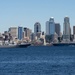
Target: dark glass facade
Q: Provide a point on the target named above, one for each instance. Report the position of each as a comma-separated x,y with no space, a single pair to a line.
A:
20,33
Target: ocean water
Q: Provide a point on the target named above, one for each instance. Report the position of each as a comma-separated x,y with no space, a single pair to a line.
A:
41,60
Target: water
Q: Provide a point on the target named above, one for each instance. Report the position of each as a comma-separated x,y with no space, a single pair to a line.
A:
37,61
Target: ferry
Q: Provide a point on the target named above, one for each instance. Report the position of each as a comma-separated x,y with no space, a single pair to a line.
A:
25,45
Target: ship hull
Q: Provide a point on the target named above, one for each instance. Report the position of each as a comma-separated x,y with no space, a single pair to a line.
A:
23,45
16,46
64,44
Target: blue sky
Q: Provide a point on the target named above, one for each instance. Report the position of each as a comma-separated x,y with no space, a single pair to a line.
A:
26,12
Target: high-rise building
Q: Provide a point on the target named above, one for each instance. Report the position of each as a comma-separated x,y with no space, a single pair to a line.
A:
27,32
73,30
70,31
47,28
33,37
20,33
13,32
57,28
37,28
50,26
66,29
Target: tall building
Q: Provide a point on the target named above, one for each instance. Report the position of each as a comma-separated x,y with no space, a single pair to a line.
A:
13,32
20,33
37,28
66,29
50,26
33,37
47,28
27,32
57,28
73,30
70,31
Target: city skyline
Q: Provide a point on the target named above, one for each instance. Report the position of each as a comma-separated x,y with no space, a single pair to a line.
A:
26,13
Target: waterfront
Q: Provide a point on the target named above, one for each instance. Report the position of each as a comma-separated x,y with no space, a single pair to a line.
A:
37,60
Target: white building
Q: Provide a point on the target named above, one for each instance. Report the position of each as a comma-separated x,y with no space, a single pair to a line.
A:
66,29
14,32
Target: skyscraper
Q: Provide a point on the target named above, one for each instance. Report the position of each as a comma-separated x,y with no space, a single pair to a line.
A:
27,32
37,27
50,26
13,32
47,28
73,30
20,33
66,29
57,28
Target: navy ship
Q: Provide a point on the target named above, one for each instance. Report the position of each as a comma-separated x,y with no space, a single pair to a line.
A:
63,44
